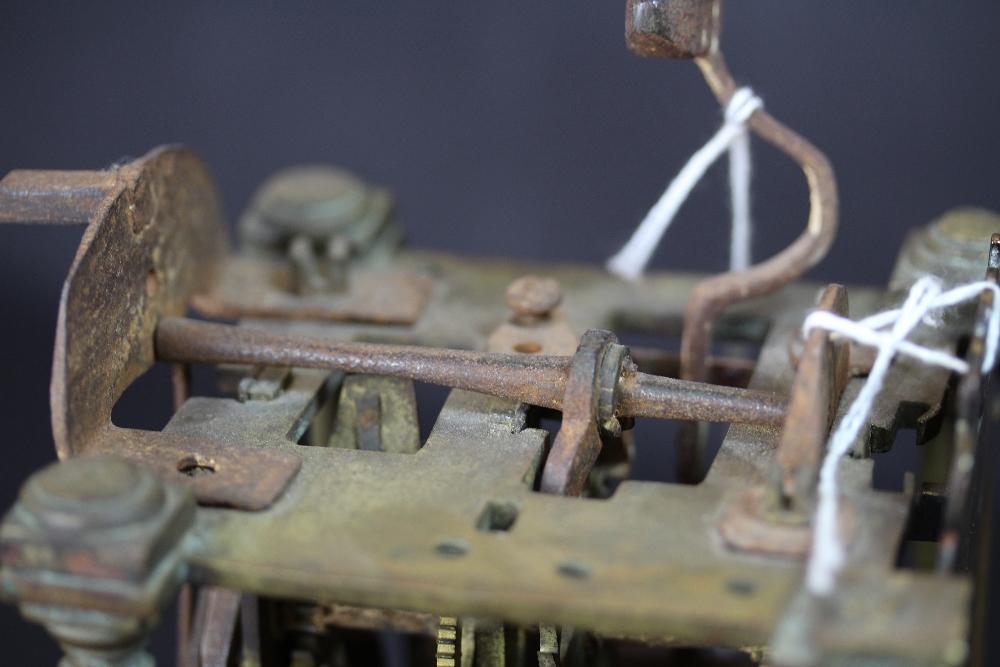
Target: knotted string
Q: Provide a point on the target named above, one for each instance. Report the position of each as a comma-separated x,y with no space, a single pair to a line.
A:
631,260
828,551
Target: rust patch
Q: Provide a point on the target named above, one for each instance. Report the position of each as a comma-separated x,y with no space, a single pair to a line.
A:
362,618
672,28
750,523
161,218
248,478
822,373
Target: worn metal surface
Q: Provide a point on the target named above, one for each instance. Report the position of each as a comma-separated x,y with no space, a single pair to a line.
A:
954,247
217,473
878,612
645,563
377,414
54,197
967,519
437,497
725,371
215,624
537,324
99,517
650,582
669,398
329,615
250,630
532,299
155,237
456,528
775,518
578,442
264,383
968,478
265,289
672,28
153,241
478,455
754,521
321,203
91,551
819,380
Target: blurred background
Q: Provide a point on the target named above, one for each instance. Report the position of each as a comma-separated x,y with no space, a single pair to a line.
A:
518,129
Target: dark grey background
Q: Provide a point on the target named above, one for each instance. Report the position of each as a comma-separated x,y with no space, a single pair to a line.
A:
516,128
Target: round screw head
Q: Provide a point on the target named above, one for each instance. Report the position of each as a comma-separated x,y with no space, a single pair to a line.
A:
313,199
90,492
968,225
532,298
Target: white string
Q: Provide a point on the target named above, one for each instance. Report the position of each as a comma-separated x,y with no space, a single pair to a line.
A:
739,194
631,260
828,551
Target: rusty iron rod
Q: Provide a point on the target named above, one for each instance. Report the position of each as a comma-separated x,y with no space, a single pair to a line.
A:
50,197
537,380
642,395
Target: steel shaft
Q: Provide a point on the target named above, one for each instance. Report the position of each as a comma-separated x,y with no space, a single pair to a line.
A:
534,379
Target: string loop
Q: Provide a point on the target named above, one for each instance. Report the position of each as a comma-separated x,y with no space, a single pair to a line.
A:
631,260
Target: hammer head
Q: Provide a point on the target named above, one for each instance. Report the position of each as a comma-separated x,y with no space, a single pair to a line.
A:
673,28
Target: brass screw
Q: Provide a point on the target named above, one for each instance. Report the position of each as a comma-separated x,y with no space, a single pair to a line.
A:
532,299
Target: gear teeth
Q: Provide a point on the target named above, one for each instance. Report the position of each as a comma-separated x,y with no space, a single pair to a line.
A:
447,642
